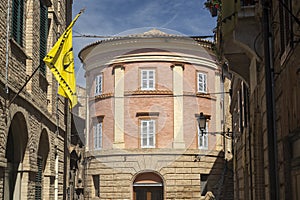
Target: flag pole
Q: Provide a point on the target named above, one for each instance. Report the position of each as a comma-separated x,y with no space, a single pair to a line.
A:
20,90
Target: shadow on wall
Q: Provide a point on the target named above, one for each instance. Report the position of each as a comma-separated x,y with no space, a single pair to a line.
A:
218,184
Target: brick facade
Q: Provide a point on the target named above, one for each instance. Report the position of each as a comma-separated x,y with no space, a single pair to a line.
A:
28,122
174,104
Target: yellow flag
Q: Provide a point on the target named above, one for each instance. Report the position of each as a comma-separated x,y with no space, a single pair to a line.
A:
60,61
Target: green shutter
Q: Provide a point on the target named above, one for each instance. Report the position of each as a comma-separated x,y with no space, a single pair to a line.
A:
38,179
43,36
17,21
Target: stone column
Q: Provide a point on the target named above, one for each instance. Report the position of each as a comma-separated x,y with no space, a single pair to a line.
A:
119,107
178,106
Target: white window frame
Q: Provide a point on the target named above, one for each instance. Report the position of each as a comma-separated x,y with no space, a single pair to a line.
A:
203,138
147,133
97,135
147,81
202,84
98,84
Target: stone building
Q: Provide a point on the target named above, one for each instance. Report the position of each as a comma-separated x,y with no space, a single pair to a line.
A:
144,95
260,42
32,147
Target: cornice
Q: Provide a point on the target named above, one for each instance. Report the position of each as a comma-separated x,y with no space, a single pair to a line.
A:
152,57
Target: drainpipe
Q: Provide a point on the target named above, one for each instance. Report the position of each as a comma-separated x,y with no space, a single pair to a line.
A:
249,140
56,151
56,178
7,49
271,132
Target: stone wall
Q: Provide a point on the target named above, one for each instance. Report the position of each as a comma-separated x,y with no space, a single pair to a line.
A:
251,148
180,173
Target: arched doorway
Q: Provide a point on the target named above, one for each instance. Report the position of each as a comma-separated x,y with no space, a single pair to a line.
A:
148,186
42,157
15,150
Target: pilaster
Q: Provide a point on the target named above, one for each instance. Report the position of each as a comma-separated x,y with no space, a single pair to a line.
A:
178,105
119,107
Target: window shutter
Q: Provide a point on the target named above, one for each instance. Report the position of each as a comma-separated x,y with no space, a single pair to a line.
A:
151,133
203,138
95,136
38,179
17,21
144,133
202,79
98,85
98,135
151,79
204,82
148,79
144,80
147,133
43,36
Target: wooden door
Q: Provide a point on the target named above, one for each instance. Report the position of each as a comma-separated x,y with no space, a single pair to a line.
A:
148,193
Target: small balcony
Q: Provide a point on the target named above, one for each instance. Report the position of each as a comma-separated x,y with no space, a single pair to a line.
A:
240,30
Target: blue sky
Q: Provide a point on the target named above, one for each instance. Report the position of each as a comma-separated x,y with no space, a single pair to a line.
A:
123,17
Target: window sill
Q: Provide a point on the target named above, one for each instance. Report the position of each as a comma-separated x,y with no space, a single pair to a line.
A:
148,147
149,92
102,96
205,95
18,51
203,148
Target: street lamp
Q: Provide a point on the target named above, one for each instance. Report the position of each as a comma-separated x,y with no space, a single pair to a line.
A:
201,122
202,127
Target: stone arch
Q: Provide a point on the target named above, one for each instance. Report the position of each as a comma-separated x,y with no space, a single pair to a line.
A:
43,165
44,149
16,144
148,185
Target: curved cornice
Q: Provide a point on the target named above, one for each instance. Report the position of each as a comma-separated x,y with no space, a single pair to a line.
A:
111,49
99,62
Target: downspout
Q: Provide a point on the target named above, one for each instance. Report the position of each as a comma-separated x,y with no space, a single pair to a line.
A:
249,142
7,48
271,132
56,178
223,112
56,151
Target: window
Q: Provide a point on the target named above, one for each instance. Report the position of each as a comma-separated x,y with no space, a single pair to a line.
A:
98,135
148,79
43,35
147,133
96,182
203,138
98,84
201,81
286,32
17,21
